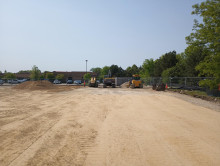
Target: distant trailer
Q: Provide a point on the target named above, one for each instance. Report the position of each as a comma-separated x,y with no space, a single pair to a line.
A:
121,80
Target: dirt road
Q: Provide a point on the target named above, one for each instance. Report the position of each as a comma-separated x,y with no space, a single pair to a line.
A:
99,127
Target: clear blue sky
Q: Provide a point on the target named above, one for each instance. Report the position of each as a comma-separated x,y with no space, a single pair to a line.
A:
60,35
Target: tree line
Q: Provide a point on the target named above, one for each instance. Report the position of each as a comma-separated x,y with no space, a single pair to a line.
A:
35,74
201,58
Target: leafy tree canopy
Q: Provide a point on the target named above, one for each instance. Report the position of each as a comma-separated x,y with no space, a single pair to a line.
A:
96,70
24,71
148,68
116,71
206,36
35,73
9,75
166,61
105,70
59,76
49,76
87,76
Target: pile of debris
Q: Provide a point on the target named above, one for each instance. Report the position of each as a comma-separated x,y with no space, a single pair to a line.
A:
125,85
159,87
35,85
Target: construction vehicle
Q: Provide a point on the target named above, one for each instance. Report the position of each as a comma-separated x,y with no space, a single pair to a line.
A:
108,80
93,82
135,82
159,86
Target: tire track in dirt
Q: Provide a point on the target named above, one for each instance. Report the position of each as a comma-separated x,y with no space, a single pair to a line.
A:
195,148
78,133
26,131
95,126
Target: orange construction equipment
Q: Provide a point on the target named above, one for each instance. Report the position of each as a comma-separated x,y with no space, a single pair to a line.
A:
135,82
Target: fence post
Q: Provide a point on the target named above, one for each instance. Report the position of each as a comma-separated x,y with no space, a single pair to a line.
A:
170,81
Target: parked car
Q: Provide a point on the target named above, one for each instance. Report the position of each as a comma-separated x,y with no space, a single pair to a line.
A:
23,80
15,81
1,82
9,81
77,82
69,81
57,82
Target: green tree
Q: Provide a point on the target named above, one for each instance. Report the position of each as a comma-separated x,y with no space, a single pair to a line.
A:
9,76
96,70
59,76
194,55
210,67
87,77
49,76
134,69
128,71
42,76
166,61
116,71
158,69
179,70
105,70
35,73
206,35
148,68
24,71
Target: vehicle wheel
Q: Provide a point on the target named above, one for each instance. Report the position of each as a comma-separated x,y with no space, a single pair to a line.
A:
132,86
104,86
113,86
141,85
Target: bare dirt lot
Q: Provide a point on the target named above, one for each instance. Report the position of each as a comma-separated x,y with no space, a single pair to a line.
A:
96,126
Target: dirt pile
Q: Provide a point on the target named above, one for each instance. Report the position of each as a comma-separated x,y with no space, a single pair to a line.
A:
35,85
124,85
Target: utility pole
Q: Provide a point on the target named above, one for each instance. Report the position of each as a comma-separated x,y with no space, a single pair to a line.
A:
86,66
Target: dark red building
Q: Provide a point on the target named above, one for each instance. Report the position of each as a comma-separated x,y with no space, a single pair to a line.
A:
74,75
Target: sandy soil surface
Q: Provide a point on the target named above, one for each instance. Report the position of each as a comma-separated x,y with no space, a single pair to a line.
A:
96,126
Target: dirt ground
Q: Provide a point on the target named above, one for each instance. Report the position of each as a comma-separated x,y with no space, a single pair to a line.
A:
106,127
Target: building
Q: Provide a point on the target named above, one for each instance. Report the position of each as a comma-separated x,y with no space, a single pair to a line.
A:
25,75
74,75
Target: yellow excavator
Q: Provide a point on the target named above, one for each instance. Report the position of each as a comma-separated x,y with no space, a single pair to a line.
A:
108,80
135,82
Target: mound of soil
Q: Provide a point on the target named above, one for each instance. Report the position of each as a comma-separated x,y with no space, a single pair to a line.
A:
124,85
35,85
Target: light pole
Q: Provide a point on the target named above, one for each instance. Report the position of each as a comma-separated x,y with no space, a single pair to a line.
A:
86,66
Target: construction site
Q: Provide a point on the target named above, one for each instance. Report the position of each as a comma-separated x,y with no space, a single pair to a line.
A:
46,124
110,83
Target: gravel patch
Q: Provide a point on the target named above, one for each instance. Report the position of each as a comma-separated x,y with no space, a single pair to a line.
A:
197,101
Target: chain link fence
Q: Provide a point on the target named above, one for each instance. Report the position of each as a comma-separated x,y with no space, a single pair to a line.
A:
186,83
